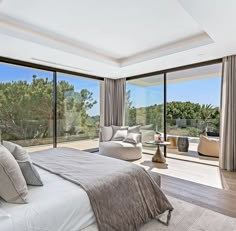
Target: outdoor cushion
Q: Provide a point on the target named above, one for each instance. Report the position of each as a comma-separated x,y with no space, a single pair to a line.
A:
208,146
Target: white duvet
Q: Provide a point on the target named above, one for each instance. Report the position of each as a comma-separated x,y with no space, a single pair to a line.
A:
59,205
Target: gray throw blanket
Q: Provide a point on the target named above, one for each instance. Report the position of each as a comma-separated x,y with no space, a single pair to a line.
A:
123,196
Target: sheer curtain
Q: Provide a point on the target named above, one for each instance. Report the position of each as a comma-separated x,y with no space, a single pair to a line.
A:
114,106
228,115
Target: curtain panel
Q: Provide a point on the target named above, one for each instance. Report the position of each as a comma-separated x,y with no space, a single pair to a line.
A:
228,115
114,106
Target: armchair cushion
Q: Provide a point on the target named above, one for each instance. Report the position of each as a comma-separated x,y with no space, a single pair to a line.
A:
106,133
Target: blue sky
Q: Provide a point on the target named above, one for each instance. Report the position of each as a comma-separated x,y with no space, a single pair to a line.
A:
204,91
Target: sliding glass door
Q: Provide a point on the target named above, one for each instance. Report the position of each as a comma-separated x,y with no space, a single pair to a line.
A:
181,105
78,111
145,107
26,113
193,106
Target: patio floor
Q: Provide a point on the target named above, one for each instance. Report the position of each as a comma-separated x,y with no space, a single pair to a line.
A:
192,155
81,144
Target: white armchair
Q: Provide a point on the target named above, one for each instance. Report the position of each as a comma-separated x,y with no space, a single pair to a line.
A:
118,148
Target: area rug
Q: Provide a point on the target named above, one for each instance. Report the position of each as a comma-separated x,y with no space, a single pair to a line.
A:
189,217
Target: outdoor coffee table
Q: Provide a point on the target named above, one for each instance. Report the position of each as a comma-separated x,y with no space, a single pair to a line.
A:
158,156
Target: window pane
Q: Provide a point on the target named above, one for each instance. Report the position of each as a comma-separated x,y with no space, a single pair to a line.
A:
193,102
26,116
78,112
144,106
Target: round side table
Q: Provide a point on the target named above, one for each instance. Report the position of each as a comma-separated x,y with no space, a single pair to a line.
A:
158,156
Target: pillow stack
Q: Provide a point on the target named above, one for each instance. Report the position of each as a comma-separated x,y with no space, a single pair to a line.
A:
16,171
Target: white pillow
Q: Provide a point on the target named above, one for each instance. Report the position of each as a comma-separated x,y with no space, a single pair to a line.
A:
16,150
106,133
13,186
133,138
22,157
119,133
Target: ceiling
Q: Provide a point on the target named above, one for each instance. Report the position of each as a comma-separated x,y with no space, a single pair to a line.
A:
197,73
117,39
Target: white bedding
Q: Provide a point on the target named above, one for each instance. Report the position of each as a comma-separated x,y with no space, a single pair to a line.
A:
59,205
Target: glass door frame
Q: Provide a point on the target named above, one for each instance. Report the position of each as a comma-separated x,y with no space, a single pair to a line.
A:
54,71
165,74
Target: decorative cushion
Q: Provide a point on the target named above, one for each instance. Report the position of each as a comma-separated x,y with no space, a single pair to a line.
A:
119,132
13,186
17,151
134,129
133,138
23,159
106,133
30,173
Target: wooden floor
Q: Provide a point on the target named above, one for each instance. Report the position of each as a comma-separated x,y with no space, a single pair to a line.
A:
218,200
194,186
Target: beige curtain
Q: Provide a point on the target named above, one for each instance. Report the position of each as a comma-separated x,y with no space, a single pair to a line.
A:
228,115
114,106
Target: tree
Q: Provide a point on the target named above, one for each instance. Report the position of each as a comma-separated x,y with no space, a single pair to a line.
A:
130,112
26,107
193,114
210,116
77,105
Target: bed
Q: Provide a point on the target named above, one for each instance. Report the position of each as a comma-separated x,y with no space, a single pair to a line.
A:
51,207
67,202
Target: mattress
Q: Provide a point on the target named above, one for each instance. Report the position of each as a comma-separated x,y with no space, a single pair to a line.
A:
59,205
